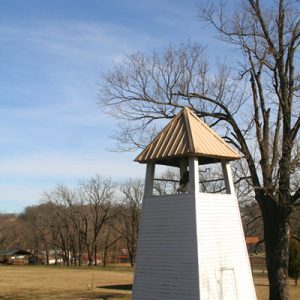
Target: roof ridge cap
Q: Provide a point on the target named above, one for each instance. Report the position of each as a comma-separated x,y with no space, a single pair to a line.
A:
186,114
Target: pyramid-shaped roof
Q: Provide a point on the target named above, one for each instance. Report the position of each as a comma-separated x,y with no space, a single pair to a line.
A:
186,135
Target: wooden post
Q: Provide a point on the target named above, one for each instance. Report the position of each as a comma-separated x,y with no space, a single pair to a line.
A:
193,175
150,170
228,177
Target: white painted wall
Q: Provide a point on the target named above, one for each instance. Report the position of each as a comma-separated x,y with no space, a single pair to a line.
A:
166,262
224,266
192,247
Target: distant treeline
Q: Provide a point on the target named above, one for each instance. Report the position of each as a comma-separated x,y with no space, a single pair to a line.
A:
97,221
94,221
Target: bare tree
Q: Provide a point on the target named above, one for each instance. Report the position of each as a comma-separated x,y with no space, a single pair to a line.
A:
65,227
258,110
13,232
128,215
38,220
80,214
97,195
252,219
144,89
109,237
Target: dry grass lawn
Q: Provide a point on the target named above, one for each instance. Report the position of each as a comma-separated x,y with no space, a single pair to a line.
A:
262,288
41,282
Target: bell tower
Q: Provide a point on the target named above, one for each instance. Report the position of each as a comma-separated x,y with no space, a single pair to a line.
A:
191,244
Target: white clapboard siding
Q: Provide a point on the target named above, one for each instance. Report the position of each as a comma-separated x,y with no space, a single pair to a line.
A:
192,247
166,262
224,267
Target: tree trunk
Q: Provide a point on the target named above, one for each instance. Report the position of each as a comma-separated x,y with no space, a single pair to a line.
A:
95,255
276,235
74,258
104,256
90,256
79,258
55,256
131,258
131,261
79,253
47,256
68,257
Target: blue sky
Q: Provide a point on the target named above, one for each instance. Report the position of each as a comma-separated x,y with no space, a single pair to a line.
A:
52,55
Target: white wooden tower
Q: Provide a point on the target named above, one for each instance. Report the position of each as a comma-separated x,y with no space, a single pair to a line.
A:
191,244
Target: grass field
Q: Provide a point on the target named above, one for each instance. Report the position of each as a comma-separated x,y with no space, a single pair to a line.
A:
41,282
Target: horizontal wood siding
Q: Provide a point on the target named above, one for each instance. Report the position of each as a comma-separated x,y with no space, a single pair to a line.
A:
186,245
166,262
221,248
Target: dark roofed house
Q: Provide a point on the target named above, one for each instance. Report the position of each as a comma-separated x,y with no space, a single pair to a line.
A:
14,256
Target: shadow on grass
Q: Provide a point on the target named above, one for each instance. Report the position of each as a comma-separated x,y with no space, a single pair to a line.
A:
123,287
110,297
119,287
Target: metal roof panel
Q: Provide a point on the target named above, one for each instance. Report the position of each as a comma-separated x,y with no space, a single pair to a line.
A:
187,135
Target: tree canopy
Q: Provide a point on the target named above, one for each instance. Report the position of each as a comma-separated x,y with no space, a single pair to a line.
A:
255,106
